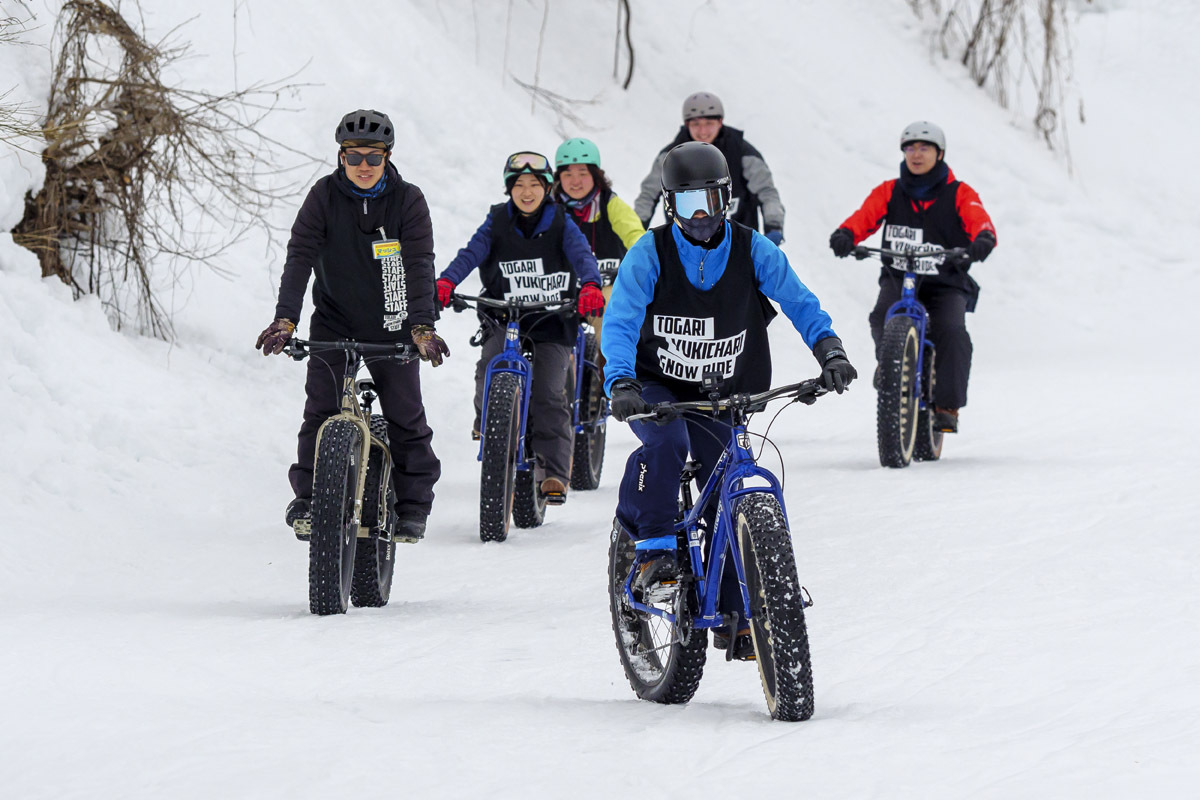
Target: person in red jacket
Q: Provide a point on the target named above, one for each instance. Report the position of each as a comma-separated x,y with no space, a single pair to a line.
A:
927,206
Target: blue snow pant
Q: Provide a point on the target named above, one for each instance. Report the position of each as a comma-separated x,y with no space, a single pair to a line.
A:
647,501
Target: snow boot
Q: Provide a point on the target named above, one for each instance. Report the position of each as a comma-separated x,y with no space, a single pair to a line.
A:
743,645
945,420
298,517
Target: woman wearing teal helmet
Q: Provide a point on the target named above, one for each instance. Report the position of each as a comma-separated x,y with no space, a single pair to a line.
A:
607,222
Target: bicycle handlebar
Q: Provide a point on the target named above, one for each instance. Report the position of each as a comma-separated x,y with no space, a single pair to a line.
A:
298,349
956,255
459,303
809,389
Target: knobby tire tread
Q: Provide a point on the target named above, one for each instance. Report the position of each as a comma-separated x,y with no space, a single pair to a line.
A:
498,468
896,416
331,560
929,439
778,630
680,666
375,558
587,462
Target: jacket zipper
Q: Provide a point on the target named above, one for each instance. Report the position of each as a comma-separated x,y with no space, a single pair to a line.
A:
364,206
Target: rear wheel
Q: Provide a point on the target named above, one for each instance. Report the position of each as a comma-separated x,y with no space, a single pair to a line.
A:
663,662
929,436
776,608
896,406
375,558
334,525
588,459
528,503
501,438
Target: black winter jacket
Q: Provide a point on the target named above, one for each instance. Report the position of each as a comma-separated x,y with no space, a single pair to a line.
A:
362,290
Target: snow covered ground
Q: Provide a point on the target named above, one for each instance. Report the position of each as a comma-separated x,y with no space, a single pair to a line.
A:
1015,620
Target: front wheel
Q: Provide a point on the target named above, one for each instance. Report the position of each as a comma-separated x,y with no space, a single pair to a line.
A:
375,558
334,523
776,608
501,438
896,406
663,662
588,460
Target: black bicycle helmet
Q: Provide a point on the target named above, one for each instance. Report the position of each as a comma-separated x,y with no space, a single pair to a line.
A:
701,171
366,125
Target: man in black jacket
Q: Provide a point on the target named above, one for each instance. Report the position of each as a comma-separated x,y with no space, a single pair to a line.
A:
751,183
367,235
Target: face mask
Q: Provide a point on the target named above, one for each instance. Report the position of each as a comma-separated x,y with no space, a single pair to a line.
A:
701,229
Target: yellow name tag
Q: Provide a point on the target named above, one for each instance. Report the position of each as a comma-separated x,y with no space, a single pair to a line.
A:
386,249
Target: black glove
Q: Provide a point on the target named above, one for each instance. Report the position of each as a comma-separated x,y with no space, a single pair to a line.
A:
982,246
841,242
627,399
836,369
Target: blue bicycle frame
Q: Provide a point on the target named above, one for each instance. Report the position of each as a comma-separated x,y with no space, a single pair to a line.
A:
909,306
725,487
512,360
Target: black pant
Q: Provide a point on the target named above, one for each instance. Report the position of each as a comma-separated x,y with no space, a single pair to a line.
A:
549,426
947,307
415,468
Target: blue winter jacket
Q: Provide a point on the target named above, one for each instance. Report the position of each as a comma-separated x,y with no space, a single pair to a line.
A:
475,254
638,274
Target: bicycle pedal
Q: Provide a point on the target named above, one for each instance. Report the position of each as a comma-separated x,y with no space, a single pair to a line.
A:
303,529
555,498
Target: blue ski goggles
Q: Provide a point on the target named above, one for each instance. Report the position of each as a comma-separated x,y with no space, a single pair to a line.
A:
711,201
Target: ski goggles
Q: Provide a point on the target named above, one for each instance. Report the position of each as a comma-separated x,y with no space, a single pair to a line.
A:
711,201
527,162
373,159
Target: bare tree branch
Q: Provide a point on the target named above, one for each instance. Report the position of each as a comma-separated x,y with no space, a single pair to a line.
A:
141,175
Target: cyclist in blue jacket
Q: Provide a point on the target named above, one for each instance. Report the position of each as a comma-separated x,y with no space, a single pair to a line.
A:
692,299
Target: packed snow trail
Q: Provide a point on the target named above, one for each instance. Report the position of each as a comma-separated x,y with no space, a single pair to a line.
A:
1009,621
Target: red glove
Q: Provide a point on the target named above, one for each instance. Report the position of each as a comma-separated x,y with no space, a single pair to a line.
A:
591,301
444,287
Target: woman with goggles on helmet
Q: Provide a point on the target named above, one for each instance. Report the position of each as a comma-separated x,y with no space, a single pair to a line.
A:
608,223
367,235
927,206
690,299
526,249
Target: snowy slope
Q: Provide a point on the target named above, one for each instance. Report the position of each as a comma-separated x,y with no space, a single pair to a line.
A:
1015,620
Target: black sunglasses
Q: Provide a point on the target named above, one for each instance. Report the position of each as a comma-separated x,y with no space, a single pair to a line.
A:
354,159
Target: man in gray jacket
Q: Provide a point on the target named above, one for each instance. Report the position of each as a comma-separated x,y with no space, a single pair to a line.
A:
752,184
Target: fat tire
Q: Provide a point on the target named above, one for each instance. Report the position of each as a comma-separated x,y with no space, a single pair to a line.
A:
777,625
896,405
334,528
587,461
670,675
528,504
500,441
929,438
375,558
